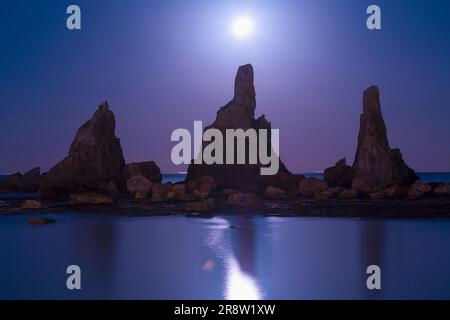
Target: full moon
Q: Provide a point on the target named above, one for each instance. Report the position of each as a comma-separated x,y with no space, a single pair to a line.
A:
242,27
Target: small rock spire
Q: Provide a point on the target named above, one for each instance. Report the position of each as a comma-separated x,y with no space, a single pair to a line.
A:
244,89
371,100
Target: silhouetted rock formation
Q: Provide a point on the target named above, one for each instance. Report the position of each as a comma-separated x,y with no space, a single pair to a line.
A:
375,160
239,113
95,158
341,175
9,184
29,181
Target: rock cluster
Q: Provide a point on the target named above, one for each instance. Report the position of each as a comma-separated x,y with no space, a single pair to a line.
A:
239,113
95,173
148,169
376,166
95,158
374,157
28,182
31,204
9,184
245,200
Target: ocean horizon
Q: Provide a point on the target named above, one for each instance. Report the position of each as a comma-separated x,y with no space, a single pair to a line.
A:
427,177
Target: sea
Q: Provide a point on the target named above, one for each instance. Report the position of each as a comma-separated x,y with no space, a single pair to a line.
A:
224,257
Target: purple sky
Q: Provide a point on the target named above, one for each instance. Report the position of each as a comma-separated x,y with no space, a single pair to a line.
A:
163,64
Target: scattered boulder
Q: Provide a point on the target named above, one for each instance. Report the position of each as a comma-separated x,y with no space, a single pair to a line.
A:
363,184
418,190
31,204
179,188
162,188
160,191
29,181
110,188
139,184
341,175
275,193
442,190
202,187
147,169
245,200
91,199
200,195
140,195
201,206
348,194
157,197
309,186
374,157
396,191
179,193
36,220
330,193
95,158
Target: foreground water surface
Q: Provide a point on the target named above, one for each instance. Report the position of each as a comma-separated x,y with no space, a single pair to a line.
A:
234,257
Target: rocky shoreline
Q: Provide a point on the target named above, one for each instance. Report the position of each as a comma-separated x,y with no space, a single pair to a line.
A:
94,176
425,208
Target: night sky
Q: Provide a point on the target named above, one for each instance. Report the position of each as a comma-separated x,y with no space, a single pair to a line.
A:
163,64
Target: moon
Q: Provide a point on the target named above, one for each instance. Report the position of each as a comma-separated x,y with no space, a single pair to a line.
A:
242,27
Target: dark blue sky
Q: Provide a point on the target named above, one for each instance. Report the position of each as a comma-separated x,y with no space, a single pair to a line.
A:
163,64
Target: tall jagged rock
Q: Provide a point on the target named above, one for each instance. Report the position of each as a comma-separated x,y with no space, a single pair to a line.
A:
239,113
95,158
244,89
375,160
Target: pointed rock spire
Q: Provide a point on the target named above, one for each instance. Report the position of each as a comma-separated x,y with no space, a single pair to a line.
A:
95,158
239,113
374,158
244,89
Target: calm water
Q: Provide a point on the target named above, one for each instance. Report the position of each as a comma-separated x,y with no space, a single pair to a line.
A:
226,257
223,258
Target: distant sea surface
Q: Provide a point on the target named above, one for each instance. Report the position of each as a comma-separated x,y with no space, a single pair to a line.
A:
424,176
427,177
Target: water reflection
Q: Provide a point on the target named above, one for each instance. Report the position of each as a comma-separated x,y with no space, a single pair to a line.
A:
372,235
258,258
240,285
95,244
235,247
